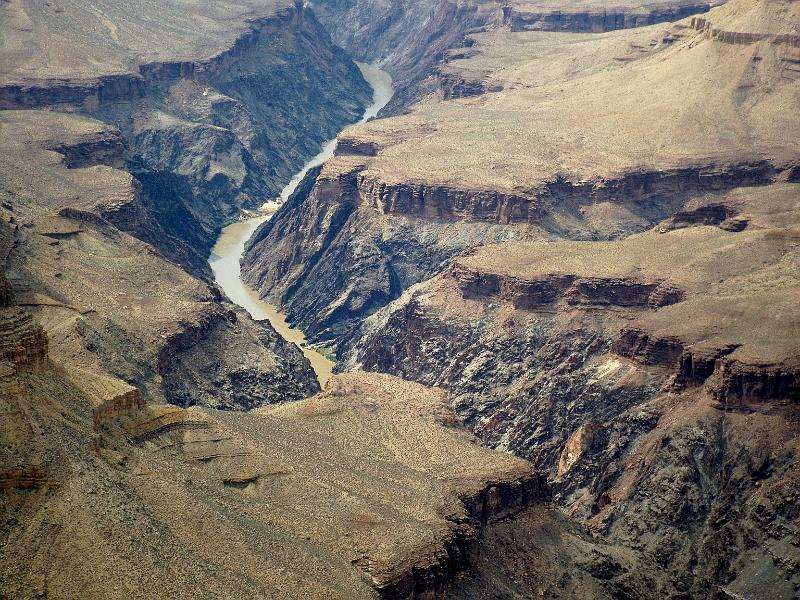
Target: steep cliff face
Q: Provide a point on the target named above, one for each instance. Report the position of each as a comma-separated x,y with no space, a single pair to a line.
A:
535,160
583,17
644,375
230,136
109,302
219,129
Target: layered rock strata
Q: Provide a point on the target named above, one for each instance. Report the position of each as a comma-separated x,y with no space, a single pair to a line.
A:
189,101
583,17
408,193
109,302
563,352
397,509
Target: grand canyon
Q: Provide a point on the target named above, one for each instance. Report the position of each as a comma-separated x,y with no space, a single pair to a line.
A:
419,299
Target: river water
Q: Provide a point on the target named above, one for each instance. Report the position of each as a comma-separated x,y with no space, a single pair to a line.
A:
228,250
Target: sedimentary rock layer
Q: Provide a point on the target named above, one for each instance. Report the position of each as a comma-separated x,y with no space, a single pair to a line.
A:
607,362
535,161
269,517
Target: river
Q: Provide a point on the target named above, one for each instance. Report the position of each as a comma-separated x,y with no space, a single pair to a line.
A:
228,250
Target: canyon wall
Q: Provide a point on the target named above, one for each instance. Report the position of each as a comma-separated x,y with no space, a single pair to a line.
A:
601,275
530,17
140,162
208,137
397,234
653,432
411,39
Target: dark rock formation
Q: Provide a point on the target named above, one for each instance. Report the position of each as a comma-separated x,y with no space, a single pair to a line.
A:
207,138
406,39
200,364
529,17
23,342
295,259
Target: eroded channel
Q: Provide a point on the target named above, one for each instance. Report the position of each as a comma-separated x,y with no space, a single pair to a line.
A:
228,250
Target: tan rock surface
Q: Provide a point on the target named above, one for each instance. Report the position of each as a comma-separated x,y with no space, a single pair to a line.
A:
623,101
68,39
370,487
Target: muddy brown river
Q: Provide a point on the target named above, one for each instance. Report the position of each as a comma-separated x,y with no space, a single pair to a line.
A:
228,250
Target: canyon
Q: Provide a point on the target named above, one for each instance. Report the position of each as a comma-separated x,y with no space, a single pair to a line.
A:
557,262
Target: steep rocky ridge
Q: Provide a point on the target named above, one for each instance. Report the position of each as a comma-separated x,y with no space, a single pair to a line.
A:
409,39
108,301
193,90
533,161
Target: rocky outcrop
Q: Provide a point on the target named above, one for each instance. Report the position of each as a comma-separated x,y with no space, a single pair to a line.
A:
460,553
231,381
452,86
663,351
733,383
118,405
23,342
729,381
721,215
444,202
532,18
449,203
23,478
530,293
71,93
587,438
104,148
742,37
